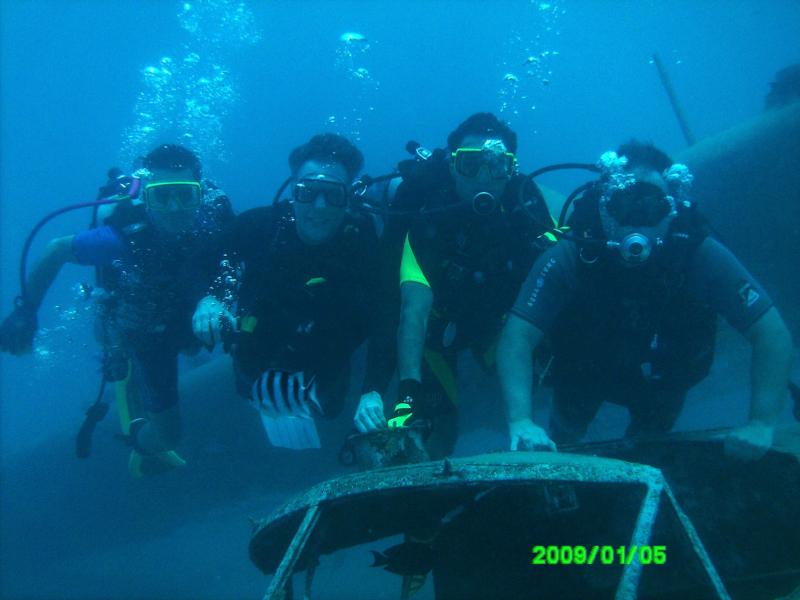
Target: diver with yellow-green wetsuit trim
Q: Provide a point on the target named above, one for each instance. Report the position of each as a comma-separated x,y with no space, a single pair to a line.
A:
156,257
466,252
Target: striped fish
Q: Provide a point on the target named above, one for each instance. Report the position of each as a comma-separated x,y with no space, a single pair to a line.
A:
279,393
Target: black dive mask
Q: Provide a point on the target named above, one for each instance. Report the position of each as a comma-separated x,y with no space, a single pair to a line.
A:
335,193
639,205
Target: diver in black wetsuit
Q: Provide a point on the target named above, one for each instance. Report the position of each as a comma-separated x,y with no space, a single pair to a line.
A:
629,304
313,289
465,256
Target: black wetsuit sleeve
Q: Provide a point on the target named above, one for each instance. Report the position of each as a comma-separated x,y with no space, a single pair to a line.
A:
715,276
385,314
549,286
381,353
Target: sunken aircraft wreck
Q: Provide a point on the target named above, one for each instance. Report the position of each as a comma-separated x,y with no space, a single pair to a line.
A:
670,517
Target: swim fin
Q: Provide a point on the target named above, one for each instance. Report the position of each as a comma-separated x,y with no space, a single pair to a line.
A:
140,465
293,432
129,411
95,414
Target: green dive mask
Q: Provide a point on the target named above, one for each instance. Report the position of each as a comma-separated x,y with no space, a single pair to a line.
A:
469,162
173,195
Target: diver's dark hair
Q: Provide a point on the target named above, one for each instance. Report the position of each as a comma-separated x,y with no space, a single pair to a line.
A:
644,154
328,146
484,124
172,157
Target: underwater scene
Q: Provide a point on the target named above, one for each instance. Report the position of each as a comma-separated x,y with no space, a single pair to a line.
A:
431,299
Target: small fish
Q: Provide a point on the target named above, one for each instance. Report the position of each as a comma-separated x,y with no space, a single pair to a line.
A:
85,291
453,514
281,393
352,36
510,77
408,558
530,59
459,510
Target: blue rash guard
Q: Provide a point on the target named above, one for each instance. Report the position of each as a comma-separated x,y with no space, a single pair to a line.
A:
154,283
98,247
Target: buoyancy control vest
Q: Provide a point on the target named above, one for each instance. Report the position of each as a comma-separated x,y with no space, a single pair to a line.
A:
154,286
475,264
298,303
639,321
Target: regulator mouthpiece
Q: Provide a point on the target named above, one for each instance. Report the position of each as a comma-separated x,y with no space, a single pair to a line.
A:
484,203
635,248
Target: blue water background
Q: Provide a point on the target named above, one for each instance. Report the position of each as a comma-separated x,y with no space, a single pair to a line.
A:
71,74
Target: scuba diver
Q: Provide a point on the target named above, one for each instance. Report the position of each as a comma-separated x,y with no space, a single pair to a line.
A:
155,253
477,230
628,302
310,286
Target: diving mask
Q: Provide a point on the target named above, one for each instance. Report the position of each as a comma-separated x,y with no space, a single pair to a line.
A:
335,193
166,196
636,220
640,204
493,155
636,215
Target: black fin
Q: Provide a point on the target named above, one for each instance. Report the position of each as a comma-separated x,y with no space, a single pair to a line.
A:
83,441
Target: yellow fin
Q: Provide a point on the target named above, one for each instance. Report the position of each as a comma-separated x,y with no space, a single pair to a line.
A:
141,466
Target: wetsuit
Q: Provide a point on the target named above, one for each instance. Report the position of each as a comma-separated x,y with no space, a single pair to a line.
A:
638,337
154,282
307,308
474,265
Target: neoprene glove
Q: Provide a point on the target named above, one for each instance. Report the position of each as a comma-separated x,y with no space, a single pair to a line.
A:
408,406
17,331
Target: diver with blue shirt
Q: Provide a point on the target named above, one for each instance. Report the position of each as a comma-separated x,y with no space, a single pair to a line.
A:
156,257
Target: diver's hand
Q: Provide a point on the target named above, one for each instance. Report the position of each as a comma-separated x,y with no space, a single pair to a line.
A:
749,442
18,329
210,319
369,414
527,435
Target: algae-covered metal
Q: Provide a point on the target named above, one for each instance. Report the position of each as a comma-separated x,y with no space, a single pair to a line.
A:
504,504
